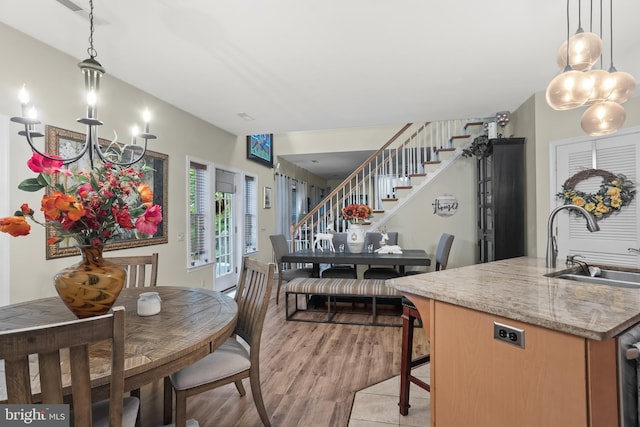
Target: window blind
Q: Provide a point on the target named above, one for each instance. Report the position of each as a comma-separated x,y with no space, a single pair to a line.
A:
225,181
198,203
250,215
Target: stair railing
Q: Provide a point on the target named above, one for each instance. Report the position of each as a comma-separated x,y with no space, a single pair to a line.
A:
404,156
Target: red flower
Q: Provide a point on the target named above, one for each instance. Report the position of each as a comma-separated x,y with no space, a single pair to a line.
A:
122,217
40,164
148,222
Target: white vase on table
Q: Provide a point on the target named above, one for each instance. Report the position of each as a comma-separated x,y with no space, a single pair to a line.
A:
355,238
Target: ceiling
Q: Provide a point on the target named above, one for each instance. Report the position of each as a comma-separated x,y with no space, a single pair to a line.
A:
295,65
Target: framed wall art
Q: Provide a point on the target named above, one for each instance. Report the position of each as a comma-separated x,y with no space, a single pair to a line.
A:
260,148
267,198
66,143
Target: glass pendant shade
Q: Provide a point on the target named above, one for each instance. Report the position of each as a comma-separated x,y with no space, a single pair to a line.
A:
603,118
601,83
584,51
568,90
624,85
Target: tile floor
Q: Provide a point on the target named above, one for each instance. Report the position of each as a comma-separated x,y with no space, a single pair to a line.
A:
377,406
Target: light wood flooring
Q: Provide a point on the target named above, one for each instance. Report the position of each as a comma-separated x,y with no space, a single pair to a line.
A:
309,371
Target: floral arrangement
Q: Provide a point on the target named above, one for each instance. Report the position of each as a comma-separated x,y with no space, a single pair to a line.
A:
615,192
478,148
356,213
89,207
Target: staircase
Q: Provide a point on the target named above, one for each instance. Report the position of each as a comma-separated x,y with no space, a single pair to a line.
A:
387,180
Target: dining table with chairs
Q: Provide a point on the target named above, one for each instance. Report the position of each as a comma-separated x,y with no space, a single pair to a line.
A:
316,257
191,324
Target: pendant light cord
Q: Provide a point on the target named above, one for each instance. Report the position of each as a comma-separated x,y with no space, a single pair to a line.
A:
611,29
568,66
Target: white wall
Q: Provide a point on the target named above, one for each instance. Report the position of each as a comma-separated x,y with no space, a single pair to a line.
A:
5,168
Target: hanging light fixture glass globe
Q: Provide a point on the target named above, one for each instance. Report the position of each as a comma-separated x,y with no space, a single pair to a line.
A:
601,83
584,50
568,90
603,118
624,84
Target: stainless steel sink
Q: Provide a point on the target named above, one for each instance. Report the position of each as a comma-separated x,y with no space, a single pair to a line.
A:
624,279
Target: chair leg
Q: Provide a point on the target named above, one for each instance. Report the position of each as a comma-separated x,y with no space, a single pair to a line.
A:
136,393
168,401
405,361
256,391
279,285
181,408
240,387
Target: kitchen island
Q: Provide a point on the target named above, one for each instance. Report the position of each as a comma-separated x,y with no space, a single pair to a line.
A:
511,346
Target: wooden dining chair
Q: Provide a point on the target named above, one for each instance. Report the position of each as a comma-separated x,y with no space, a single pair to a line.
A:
411,315
50,343
231,362
280,248
141,270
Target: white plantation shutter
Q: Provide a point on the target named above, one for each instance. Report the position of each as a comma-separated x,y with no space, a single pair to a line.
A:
619,154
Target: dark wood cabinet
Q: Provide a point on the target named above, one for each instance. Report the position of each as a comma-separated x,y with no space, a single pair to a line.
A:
501,200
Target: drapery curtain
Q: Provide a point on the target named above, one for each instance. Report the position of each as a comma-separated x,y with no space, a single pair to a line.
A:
290,203
283,201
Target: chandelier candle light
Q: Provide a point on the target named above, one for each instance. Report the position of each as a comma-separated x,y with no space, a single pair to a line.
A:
113,153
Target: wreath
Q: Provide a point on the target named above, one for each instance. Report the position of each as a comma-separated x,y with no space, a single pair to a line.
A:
615,192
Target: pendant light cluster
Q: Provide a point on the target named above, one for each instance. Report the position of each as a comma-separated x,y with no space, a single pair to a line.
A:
578,85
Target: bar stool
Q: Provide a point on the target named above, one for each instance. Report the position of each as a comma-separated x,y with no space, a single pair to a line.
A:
410,315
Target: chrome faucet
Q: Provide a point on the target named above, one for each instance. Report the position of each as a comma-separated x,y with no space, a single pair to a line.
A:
552,246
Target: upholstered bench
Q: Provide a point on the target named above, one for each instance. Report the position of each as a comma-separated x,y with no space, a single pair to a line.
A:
336,288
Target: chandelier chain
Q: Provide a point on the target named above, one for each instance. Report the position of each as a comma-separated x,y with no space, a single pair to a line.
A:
90,50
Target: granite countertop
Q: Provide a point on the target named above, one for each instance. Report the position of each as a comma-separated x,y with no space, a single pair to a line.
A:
518,289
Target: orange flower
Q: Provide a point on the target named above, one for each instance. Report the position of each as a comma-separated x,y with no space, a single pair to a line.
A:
146,194
15,225
57,204
26,210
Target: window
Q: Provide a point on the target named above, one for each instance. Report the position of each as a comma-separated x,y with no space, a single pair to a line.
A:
250,214
200,211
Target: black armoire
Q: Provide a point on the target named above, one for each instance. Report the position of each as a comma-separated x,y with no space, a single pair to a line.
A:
501,200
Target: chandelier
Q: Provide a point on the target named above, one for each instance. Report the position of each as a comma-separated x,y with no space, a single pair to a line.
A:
116,153
603,92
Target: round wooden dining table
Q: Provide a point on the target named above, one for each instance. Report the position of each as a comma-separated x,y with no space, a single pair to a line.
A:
191,324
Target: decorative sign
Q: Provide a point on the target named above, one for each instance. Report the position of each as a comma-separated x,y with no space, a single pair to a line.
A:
445,205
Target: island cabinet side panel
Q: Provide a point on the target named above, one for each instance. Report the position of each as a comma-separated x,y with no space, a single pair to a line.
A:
481,381
603,384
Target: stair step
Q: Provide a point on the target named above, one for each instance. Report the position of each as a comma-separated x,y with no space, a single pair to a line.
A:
404,187
473,124
378,211
459,137
390,200
445,149
417,175
434,162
